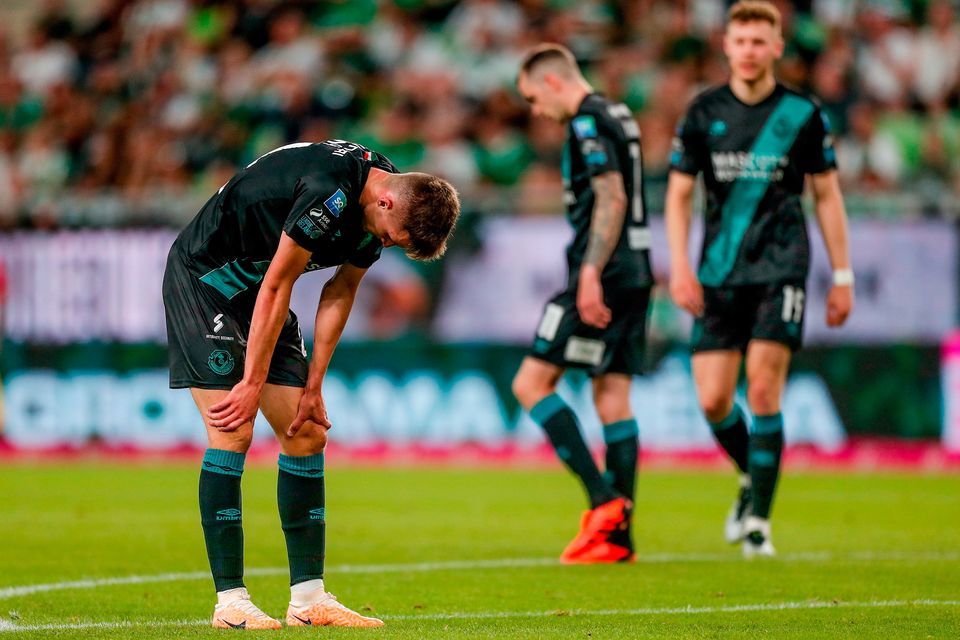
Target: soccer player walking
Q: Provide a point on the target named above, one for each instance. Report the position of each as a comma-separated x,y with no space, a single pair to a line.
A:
598,321
754,140
237,346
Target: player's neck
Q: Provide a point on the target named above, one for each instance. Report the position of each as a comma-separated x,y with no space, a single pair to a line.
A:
753,92
578,94
376,182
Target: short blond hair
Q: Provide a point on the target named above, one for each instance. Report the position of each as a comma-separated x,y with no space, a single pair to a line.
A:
549,54
753,10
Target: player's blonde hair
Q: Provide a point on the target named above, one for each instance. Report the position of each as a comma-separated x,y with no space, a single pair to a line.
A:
549,55
754,10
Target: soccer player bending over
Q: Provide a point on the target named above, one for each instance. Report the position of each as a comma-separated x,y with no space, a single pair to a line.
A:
237,346
753,140
598,322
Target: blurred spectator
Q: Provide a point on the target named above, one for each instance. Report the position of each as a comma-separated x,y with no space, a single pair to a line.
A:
133,111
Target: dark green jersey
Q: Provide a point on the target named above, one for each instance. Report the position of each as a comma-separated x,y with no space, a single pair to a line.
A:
310,191
603,137
754,159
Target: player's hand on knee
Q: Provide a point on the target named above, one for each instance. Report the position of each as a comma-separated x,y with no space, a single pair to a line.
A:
239,407
311,409
686,291
839,305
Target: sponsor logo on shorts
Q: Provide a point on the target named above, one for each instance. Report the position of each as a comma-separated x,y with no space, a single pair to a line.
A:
228,514
550,322
584,351
221,361
217,323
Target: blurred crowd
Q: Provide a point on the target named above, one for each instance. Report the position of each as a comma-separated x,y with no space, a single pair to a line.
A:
132,112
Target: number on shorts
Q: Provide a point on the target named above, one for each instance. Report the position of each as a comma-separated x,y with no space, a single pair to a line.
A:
792,303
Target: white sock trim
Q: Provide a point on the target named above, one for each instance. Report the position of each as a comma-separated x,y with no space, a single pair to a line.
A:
232,595
307,592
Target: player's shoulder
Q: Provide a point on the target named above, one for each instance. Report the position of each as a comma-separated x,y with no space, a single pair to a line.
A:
709,96
599,115
791,90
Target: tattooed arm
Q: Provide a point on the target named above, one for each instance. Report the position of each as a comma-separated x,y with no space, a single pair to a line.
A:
609,209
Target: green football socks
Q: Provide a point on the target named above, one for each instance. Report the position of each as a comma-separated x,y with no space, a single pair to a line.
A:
731,433
300,497
623,447
220,516
563,431
766,447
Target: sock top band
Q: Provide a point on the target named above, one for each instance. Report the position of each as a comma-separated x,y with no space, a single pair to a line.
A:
620,430
228,463
306,466
768,424
736,414
547,408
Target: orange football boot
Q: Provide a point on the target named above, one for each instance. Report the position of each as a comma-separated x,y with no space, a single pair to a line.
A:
596,527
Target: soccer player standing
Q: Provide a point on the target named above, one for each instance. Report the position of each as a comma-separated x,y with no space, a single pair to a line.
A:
237,346
598,322
754,140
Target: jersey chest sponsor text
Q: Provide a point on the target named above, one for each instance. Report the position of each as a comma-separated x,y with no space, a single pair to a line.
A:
729,166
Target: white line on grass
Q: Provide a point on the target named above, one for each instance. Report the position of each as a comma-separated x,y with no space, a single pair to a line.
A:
492,615
506,563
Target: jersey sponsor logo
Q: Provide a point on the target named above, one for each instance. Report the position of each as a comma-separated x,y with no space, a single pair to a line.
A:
718,128
729,166
310,227
336,203
584,351
221,362
593,152
585,127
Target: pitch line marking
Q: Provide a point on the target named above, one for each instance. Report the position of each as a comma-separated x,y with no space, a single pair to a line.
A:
506,563
7,627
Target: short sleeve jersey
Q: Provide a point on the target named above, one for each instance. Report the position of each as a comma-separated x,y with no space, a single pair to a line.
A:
602,137
310,191
753,159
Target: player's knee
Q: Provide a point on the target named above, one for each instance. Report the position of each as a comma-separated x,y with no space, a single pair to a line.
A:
309,440
611,408
237,441
763,394
529,390
716,407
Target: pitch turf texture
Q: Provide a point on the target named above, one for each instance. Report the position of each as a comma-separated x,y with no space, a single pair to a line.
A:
470,553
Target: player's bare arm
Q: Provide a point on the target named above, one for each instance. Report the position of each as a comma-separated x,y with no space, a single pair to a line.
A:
685,289
832,217
334,307
610,207
269,313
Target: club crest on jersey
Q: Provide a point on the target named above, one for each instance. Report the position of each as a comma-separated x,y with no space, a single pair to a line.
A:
585,126
336,203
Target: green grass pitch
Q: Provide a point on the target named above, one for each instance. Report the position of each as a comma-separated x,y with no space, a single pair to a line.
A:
451,553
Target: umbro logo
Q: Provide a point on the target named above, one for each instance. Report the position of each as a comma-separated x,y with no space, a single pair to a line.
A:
241,625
